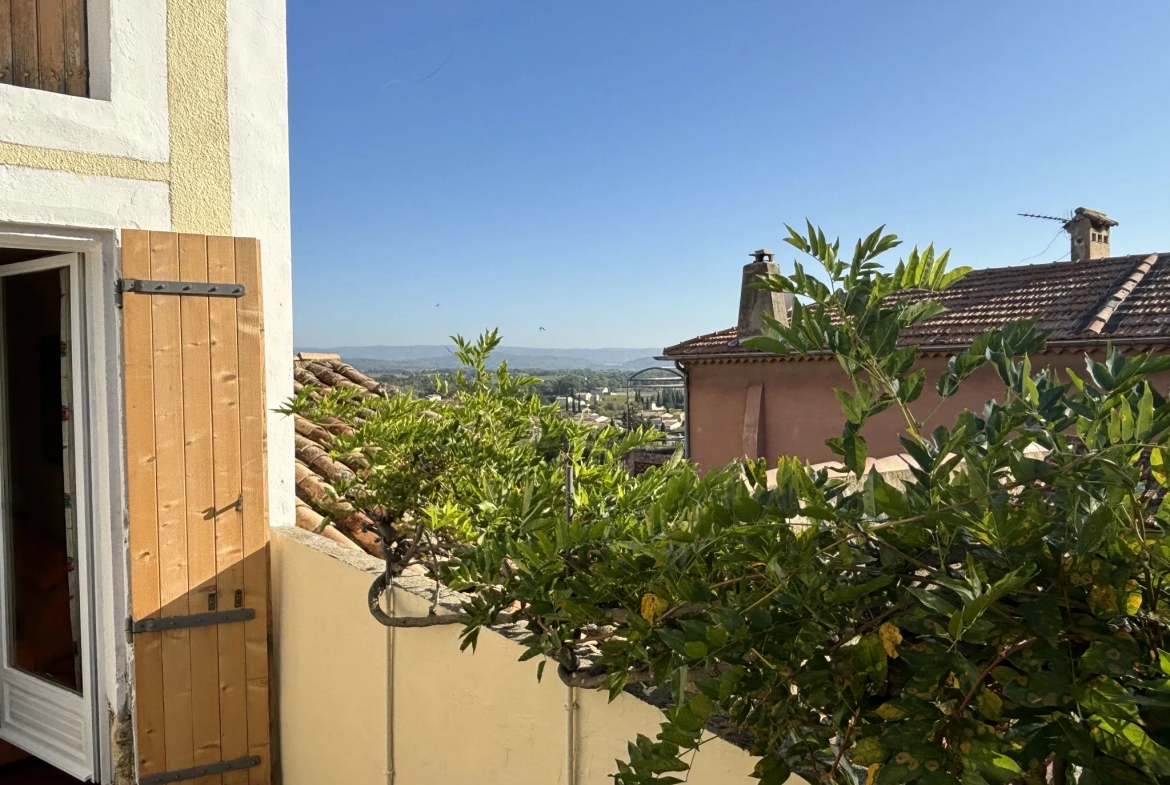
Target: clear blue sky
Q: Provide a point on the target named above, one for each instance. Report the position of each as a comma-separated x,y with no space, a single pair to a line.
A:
603,168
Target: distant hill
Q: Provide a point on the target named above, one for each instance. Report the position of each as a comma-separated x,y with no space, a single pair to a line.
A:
381,359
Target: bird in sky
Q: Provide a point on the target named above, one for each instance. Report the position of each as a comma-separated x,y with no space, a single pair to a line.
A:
542,329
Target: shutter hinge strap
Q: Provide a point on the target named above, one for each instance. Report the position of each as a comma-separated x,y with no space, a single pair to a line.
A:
144,286
194,620
200,771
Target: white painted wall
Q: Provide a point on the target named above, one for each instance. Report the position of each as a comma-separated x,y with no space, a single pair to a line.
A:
66,200
258,127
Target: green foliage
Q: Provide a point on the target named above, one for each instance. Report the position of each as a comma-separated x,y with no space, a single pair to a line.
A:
1002,607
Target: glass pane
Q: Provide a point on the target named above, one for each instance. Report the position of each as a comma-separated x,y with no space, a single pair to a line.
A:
40,576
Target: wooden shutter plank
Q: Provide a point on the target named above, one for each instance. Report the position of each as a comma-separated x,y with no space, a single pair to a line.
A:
5,41
141,495
76,49
51,44
200,500
25,72
254,468
229,535
170,480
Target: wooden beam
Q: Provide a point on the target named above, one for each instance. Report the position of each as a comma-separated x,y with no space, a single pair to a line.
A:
753,418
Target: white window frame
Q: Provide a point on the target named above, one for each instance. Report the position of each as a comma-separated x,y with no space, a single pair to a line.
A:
105,466
18,685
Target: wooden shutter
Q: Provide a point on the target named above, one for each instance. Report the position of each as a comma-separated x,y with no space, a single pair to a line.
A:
197,487
43,45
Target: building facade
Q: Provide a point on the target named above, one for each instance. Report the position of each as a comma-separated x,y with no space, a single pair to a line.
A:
141,141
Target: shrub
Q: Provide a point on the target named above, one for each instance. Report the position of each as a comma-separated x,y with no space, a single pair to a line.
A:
998,618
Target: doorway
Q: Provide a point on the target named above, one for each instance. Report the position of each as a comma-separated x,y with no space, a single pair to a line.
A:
46,702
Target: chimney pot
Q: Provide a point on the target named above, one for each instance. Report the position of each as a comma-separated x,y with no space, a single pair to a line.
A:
762,255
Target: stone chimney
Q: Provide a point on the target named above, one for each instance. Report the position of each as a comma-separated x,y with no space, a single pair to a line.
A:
1089,231
754,303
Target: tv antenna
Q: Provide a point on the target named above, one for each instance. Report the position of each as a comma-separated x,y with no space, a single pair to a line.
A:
1046,217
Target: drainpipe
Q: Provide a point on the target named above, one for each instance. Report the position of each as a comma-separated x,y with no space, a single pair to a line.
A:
393,650
570,692
571,736
686,375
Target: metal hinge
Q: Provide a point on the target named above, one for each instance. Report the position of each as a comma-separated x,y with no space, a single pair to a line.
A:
200,771
144,286
194,620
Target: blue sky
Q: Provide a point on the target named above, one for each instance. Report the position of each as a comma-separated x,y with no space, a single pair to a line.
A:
602,169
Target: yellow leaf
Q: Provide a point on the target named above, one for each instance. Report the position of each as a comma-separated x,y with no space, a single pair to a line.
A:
891,636
652,607
871,773
1103,601
1158,465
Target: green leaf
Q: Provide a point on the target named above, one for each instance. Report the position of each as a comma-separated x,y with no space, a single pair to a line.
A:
911,387
921,311
701,705
772,770
1110,657
870,657
851,406
932,601
1126,740
848,593
1043,615
853,445
1145,416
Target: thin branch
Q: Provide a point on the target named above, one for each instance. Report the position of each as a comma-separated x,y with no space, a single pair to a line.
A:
434,620
1004,653
594,677
844,745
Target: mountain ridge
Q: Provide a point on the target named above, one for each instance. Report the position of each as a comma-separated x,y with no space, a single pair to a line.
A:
437,357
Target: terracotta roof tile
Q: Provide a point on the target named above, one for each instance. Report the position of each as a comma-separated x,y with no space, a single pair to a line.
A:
318,504
1065,296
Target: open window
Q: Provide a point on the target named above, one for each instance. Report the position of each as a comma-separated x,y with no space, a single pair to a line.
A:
45,640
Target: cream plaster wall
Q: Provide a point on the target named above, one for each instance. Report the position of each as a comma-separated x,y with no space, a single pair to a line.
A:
330,670
455,717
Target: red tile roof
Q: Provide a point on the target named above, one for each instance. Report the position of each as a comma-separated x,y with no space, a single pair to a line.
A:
319,507
1128,297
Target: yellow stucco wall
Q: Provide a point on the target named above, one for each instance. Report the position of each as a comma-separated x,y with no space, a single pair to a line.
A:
330,662
458,717
199,167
